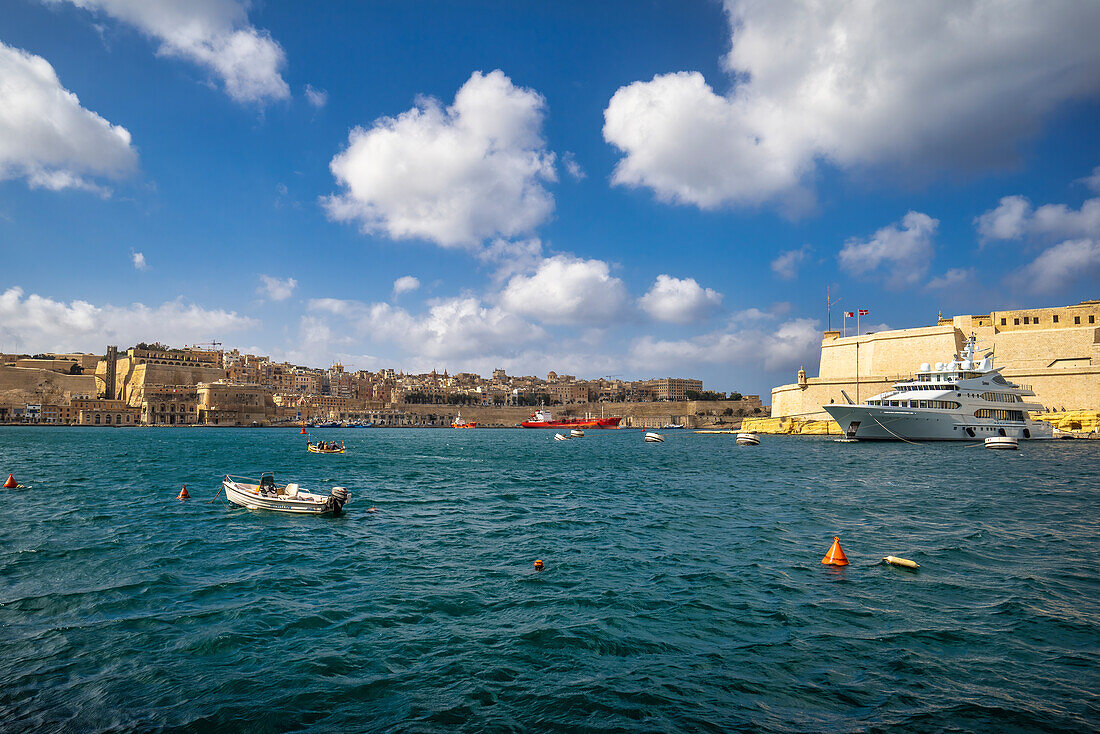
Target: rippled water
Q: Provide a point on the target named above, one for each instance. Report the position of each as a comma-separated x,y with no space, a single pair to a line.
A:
682,590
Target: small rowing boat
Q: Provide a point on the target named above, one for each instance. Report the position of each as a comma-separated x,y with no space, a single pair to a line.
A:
265,494
748,439
324,447
651,437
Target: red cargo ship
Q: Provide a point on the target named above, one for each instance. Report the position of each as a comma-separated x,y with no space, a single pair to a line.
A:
543,419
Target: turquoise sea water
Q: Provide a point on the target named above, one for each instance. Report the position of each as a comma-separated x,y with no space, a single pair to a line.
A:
682,590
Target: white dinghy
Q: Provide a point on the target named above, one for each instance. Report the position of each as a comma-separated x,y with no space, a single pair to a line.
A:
264,494
748,439
651,437
1002,443
560,437
577,433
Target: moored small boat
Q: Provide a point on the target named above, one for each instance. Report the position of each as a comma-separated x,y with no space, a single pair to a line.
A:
577,433
560,437
1003,443
748,439
651,437
265,494
459,422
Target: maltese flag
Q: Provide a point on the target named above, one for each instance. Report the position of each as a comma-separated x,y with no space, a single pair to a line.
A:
849,314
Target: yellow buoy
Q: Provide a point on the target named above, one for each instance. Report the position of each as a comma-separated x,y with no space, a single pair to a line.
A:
903,562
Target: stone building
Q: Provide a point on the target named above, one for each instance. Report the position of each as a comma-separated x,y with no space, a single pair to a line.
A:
1055,350
233,404
104,412
670,388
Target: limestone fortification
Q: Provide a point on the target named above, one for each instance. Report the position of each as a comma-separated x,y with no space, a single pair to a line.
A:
1054,350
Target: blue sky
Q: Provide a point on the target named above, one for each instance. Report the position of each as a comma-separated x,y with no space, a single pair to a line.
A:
630,188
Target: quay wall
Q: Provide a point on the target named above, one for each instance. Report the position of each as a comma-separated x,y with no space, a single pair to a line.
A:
633,414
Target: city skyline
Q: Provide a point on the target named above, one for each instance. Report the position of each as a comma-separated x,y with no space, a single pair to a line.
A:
597,190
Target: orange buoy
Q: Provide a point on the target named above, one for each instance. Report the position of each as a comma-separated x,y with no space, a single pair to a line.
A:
835,556
303,428
538,565
183,494
11,483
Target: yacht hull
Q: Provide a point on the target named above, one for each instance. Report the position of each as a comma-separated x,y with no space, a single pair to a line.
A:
873,423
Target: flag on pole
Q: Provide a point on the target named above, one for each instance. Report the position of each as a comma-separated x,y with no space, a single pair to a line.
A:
863,312
849,314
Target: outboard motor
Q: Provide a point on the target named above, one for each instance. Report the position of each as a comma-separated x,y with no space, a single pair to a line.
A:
337,499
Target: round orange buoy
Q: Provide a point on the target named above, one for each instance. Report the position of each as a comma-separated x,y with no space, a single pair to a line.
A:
11,483
835,556
538,565
183,494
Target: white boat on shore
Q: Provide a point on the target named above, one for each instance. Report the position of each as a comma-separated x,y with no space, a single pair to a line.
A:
265,494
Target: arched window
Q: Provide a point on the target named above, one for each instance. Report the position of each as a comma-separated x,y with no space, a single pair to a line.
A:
108,419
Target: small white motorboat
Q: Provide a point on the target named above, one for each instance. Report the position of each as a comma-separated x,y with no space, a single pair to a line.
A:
265,494
748,439
577,433
1004,443
651,437
560,437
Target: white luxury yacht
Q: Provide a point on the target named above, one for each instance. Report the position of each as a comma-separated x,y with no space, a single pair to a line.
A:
963,400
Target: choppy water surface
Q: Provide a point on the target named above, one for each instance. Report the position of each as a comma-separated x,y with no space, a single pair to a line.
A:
682,590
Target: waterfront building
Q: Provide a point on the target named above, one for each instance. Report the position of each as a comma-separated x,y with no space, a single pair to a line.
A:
1054,350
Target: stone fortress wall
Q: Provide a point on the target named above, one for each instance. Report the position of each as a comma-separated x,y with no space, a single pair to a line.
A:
1055,350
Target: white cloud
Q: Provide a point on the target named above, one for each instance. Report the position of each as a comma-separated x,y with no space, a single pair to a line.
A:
1077,256
1093,180
574,169
316,97
138,258
275,288
930,85
904,254
454,328
214,34
566,290
786,265
952,279
456,176
1006,222
34,323
512,256
679,301
1061,265
46,137
404,284
794,342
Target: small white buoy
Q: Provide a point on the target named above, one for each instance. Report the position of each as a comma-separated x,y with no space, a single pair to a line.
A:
748,439
903,562
1005,443
560,437
651,437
